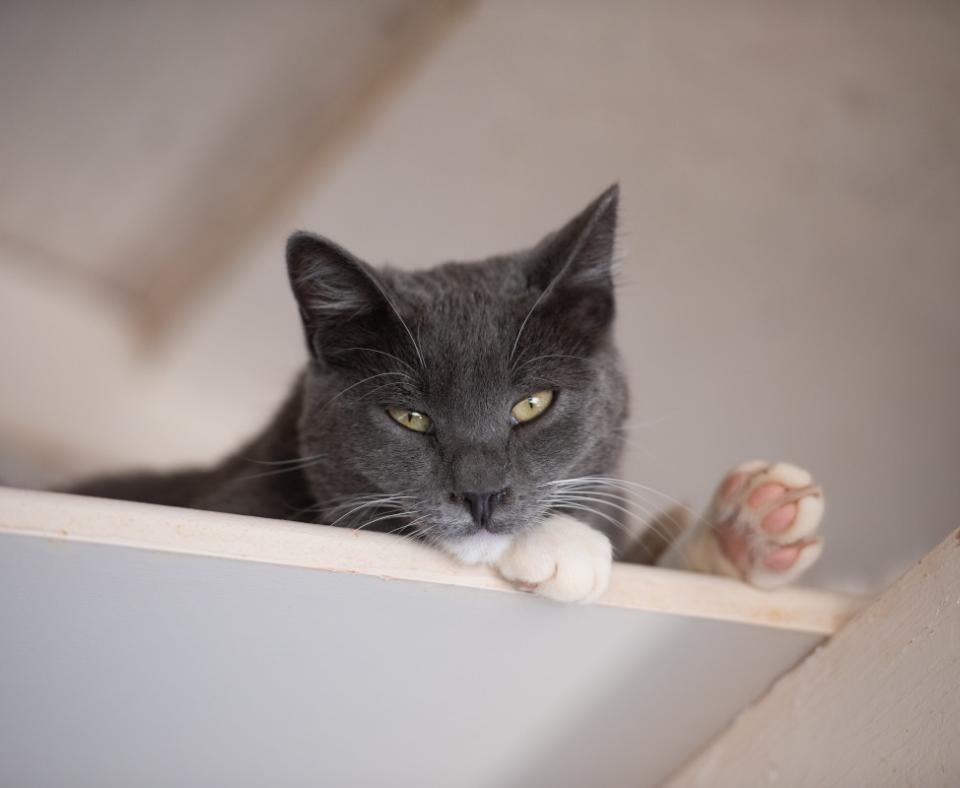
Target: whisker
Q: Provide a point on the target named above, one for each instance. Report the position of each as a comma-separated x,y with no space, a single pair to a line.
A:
626,492
282,462
650,512
381,352
361,382
368,394
590,499
591,510
634,487
349,500
383,517
517,365
632,532
648,524
380,503
393,306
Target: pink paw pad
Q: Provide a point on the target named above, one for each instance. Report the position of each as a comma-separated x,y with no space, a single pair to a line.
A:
781,559
765,519
781,517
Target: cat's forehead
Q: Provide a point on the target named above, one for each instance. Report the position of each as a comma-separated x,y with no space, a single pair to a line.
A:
464,316
481,300
456,283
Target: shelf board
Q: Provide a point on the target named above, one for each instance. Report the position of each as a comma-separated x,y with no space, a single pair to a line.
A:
235,537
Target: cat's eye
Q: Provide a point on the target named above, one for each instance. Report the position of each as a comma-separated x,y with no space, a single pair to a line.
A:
411,419
532,407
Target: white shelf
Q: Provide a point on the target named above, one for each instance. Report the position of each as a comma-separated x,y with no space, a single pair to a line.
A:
156,646
212,534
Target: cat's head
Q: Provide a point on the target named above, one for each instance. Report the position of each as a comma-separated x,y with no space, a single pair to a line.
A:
448,402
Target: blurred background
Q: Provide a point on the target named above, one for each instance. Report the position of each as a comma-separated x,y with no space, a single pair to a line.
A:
790,221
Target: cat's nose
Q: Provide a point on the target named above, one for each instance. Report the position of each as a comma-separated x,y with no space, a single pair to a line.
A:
481,504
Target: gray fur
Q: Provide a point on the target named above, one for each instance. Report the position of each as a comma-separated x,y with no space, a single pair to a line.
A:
461,342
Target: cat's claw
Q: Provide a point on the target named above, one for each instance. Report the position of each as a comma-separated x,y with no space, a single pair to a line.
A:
764,522
562,559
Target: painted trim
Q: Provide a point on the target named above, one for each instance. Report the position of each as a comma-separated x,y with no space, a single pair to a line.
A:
235,537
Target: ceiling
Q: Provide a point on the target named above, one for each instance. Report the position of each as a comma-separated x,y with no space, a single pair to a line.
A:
145,143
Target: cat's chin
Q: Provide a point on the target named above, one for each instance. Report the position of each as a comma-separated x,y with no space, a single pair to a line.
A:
482,547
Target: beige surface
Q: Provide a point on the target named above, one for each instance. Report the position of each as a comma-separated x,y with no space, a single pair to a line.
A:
187,532
878,705
143,144
790,182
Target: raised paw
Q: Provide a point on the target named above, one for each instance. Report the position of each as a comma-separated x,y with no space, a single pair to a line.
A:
562,559
764,520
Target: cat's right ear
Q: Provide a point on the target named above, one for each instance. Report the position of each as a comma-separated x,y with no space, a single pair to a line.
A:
340,298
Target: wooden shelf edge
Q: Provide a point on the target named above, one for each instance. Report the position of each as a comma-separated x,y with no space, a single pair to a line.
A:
236,537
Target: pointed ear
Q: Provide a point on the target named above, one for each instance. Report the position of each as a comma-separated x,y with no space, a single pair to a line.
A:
341,299
580,252
574,265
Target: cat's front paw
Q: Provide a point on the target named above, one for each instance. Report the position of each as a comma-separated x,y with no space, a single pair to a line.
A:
562,559
764,521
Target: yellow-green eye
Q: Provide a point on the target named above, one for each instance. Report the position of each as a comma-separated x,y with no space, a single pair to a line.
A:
411,419
532,407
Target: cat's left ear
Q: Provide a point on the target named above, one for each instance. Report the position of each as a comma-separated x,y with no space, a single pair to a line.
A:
574,265
342,301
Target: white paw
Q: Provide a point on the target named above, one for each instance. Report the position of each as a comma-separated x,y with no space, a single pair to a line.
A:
765,519
562,559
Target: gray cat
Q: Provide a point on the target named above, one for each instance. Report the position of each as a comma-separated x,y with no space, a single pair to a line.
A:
479,407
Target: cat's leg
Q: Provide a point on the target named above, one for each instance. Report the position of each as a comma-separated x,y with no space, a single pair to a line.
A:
562,559
761,526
